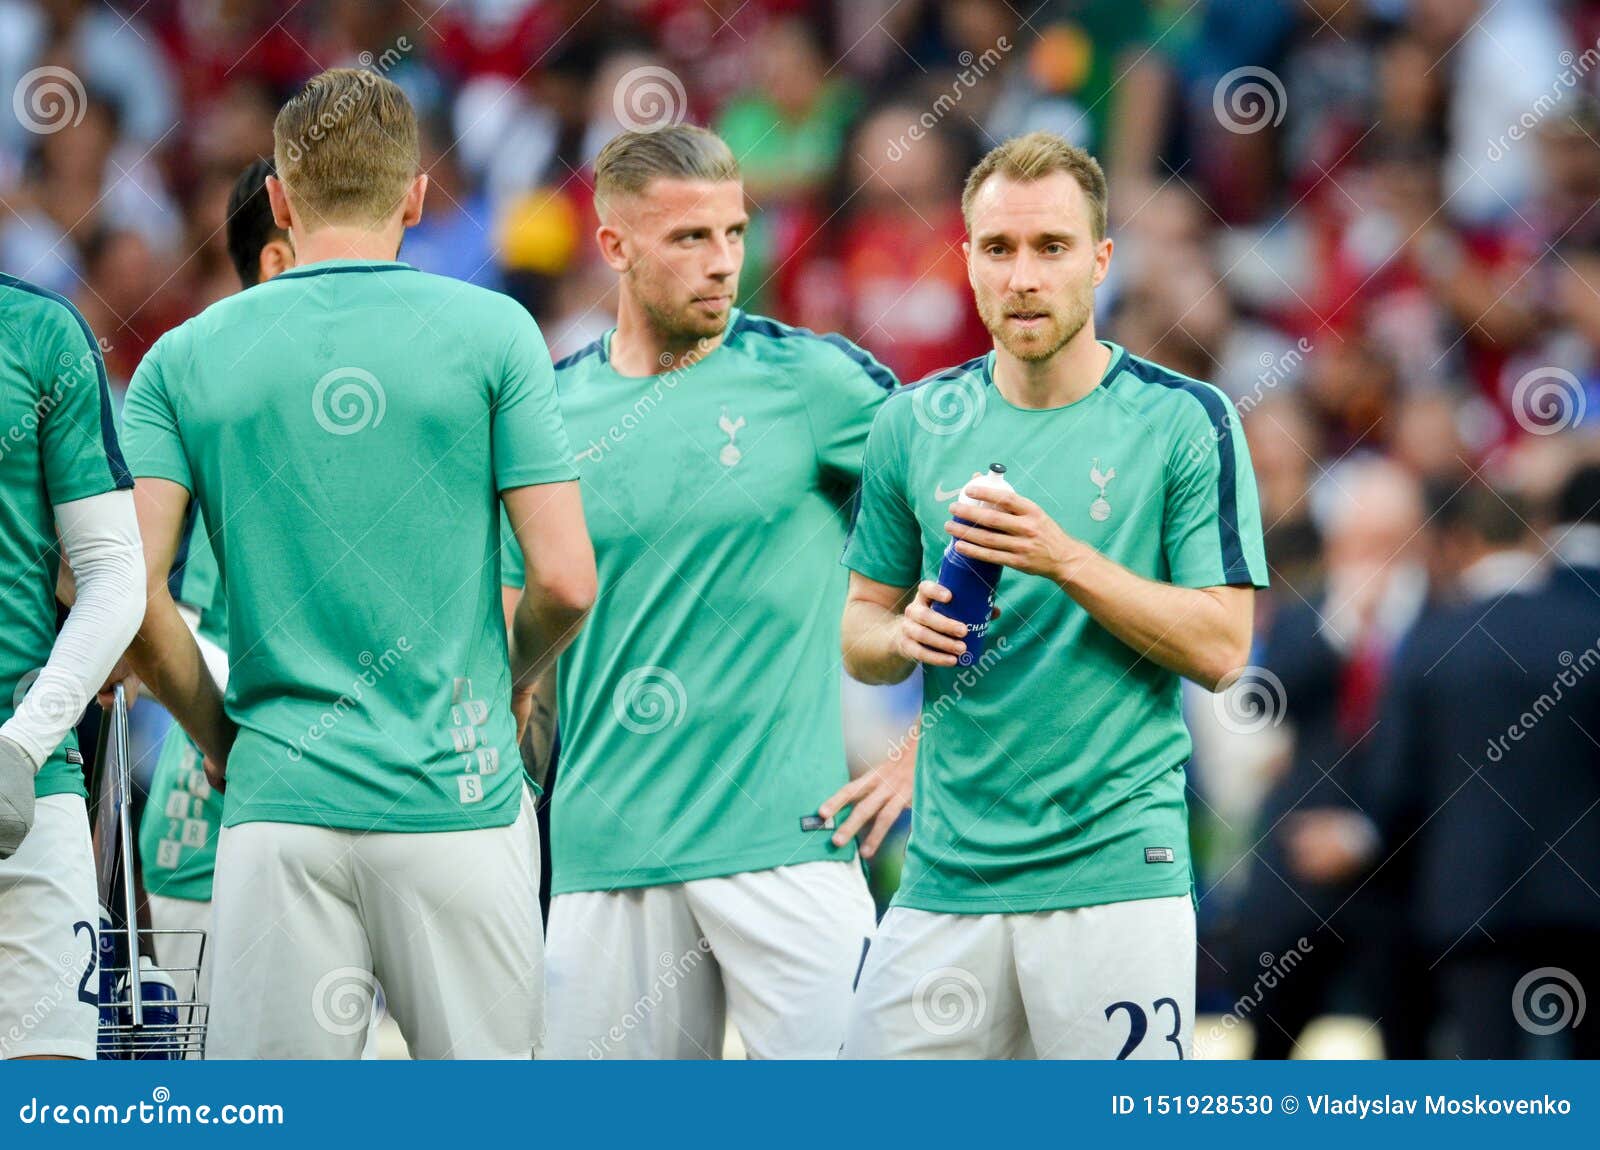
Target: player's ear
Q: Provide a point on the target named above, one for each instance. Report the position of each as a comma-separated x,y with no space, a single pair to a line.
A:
411,216
279,200
277,257
610,242
1102,261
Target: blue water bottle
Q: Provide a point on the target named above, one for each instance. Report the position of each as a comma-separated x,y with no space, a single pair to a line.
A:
971,582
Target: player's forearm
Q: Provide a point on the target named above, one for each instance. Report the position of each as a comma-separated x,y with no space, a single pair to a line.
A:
1184,629
166,657
543,627
539,735
869,637
101,540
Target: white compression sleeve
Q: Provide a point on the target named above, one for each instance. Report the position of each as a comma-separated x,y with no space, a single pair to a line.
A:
100,536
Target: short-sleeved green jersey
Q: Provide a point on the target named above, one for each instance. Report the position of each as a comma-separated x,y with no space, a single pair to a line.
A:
181,822
60,445
346,429
183,814
699,708
1050,774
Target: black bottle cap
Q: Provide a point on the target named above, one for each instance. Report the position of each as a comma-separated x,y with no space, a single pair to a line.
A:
997,468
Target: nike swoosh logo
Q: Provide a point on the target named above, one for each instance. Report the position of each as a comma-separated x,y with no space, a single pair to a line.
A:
943,496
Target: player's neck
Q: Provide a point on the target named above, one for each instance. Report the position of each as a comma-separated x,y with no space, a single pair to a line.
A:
340,243
638,349
1066,377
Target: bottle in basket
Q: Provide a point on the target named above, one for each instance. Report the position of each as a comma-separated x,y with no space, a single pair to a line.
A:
158,1040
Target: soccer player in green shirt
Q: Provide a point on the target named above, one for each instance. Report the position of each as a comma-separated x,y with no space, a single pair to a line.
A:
699,710
64,489
183,812
349,431
1046,906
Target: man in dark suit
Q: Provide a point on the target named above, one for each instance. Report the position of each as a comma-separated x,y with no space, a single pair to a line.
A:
1486,769
1330,657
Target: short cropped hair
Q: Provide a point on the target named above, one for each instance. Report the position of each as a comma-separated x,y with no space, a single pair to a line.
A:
250,225
1033,157
627,164
346,146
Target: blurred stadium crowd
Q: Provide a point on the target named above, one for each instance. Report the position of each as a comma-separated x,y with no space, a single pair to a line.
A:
1371,222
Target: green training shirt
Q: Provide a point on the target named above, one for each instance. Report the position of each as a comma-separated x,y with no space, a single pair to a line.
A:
59,445
346,429
699,708
1050,773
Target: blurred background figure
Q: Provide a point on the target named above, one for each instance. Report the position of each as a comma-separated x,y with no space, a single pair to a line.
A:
1372,224
1325,663
1485,781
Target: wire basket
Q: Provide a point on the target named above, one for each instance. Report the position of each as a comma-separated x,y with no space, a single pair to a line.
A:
147,1010
166,1019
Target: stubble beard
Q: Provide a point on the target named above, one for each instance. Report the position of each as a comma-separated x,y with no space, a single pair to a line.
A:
679,327
1063,327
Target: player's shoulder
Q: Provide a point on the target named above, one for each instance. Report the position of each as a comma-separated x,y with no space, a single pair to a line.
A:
37,318
976,370
924,402
781,345
171,349
468,299
588,357
972,375
1157,386
1158,392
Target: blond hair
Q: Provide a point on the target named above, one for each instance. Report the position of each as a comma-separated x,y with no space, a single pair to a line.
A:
1033,157
346,147
627,164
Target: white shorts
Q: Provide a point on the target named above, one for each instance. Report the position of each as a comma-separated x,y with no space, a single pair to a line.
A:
1110,981
49,936
182,954
308,920
652,972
